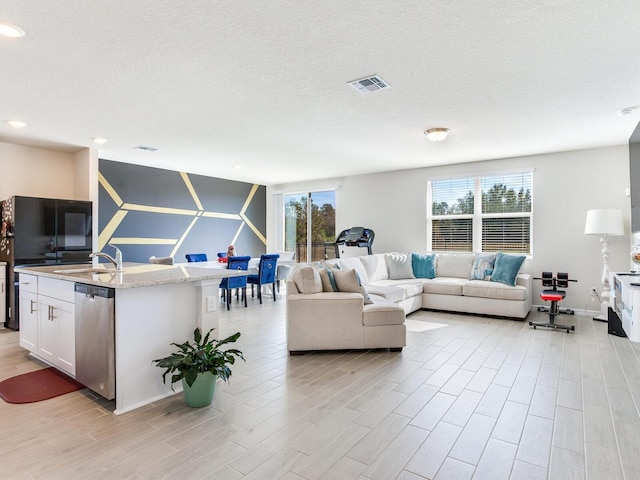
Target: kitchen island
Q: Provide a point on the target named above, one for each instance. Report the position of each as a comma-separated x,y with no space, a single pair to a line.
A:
155,305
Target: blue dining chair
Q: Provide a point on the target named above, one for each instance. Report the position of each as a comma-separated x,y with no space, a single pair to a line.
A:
196,257
267,270
227,284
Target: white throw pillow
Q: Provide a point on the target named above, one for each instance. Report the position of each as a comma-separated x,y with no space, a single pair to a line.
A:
376,267
399,266
354,263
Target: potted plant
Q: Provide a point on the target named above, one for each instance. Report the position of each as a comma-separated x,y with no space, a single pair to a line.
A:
199,365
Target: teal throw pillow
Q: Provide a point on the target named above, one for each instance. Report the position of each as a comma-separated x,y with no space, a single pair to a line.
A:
332,279
483,264
506,268
424,266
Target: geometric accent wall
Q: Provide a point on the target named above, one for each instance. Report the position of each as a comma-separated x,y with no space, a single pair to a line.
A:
147,211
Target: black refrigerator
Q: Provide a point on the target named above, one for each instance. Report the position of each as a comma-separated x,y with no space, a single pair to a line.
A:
42,231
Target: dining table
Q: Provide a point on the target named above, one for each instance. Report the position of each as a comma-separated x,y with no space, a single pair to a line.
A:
252,270
253,264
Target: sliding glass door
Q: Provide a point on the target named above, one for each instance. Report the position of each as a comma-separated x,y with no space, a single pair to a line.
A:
309,223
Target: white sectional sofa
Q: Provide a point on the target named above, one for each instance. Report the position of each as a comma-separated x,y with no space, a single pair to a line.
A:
371,314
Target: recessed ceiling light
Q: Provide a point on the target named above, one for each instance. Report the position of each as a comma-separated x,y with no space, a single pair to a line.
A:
628,110
99,140
437,134
12,31
17,123
237,167
145,148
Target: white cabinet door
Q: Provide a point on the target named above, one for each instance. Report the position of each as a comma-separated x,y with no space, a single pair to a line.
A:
47,337
64,316
29,321
56,333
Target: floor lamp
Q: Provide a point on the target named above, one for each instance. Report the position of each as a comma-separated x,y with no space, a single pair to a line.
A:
605,223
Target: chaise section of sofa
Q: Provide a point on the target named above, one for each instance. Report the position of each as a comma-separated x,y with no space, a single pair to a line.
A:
318,320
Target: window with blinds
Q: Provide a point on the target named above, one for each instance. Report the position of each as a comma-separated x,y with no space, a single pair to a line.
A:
485,214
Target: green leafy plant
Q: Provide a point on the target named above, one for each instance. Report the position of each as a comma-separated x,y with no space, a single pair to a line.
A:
203,355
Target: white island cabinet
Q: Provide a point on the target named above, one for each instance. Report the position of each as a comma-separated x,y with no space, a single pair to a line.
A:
47,322
155,305
56,324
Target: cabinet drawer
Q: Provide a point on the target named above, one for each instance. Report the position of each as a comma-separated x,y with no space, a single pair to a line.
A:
60,289
28,283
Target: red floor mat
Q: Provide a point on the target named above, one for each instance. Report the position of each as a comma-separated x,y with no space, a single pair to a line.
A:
37,386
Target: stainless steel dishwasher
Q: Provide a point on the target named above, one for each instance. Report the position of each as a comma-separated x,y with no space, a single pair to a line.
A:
95,338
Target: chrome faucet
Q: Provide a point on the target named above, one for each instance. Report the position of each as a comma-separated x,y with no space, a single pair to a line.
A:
117,262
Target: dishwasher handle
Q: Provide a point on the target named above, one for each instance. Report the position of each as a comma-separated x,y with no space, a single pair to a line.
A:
94,290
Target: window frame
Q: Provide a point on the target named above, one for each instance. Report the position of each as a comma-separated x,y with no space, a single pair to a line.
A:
477,216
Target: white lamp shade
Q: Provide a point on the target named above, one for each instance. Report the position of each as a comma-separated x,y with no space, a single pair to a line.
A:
604,222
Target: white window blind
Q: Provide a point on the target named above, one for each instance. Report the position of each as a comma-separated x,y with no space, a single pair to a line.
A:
453,235
486,213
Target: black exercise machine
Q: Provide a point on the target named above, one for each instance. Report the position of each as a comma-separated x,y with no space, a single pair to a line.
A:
353,237
553,295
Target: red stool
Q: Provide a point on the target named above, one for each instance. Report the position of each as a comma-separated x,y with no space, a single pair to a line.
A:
554,296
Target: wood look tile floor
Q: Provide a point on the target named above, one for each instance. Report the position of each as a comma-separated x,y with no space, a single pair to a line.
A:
481,398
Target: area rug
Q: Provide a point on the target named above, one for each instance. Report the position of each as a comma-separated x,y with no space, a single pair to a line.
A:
422,326
37,386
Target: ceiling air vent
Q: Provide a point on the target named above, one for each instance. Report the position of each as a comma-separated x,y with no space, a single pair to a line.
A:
369,84
145,148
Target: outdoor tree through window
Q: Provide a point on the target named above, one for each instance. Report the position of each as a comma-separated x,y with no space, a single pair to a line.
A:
310,221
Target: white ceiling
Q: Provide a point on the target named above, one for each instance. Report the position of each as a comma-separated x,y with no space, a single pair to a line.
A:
263,85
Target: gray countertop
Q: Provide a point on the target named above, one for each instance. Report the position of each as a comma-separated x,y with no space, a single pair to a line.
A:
133,274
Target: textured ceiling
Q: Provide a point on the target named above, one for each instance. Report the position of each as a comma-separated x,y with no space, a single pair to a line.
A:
263,85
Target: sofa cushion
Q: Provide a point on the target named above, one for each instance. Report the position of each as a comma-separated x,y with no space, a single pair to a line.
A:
483,264
399,265
395,290
376,267
348,281
307,280
424,266
456,265
354,263
382,312
388,292
445,285
500,291
506,268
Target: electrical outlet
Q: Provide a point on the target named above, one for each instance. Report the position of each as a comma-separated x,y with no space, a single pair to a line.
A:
211,303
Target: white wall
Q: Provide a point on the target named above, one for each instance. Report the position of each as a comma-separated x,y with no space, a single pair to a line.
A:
566,185
38,172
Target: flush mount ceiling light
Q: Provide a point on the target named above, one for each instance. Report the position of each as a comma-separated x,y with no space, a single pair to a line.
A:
437,134
12,31
17,123
99,140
